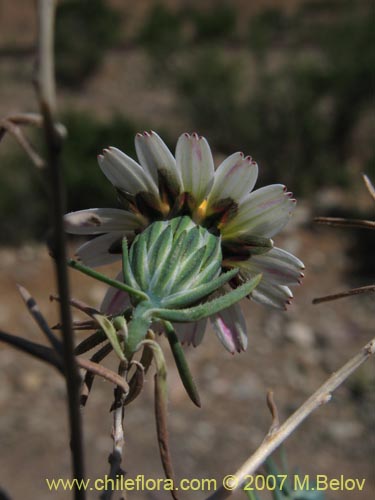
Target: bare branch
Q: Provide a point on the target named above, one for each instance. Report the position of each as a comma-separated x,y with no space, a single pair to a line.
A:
102,371
341,222
90,376
39,318
348,293
45,88
115,458
272,441
274,413
45,67
39,351
7,125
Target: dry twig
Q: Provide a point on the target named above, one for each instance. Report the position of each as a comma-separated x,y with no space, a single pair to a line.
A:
46,93
274,439
348,293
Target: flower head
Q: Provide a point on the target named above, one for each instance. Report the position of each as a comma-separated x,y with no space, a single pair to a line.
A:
162,187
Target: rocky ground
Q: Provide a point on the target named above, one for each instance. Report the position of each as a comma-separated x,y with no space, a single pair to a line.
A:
291,353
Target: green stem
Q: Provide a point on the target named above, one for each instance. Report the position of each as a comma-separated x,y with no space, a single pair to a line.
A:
181,363
101,277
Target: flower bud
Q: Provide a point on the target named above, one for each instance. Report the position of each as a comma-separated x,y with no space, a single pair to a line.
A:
172,262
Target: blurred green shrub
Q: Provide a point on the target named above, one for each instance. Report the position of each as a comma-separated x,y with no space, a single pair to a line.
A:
266,28
208,87
296,117
23,199
213,24
161,34
85,30
86,185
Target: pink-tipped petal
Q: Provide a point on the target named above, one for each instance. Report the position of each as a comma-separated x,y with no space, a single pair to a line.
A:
101,220
263,212
234,179
155,157
230,327
124,173
270,295
195,164
191,333
277,267
115,301
96,252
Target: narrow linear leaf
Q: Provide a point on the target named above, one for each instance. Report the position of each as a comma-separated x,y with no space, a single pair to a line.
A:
90,342
138,257
198,292
100,277
111,333
127,273
182,366
209,308
135,384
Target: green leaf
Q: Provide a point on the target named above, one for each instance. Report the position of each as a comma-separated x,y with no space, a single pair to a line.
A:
189,269
160,250
111,333
199,292
209,308
139,260
101,277
127,273
181,363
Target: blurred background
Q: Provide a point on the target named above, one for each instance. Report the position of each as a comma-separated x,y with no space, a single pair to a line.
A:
289,82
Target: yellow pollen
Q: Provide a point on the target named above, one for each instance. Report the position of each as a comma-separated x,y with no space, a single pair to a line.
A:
202,210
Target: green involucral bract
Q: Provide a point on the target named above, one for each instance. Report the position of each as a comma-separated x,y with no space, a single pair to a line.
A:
170,260
170,270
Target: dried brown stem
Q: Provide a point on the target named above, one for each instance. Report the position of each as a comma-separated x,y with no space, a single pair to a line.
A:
274,413
348,293
115,458
46,93
102,371
78,304
90,376
341,222
272,441
7,125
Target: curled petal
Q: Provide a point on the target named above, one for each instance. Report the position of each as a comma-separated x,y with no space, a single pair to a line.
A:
191,333
101,220
230,327
115,301
124,173
156,158
195,163
96,252
271,295
263,212
277,267
234,179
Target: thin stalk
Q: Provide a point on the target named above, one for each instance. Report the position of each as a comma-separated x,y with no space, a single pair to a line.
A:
277,436
108,281
45,86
